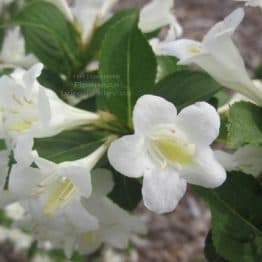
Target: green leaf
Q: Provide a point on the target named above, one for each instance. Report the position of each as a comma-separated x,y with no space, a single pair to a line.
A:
49,36
236,217
210,251
126,192
186,87
127,67
96,42
168,66
244,125
69,145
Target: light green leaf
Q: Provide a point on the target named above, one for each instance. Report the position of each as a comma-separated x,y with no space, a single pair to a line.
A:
127,67
244,125
186,87
236,217
49,36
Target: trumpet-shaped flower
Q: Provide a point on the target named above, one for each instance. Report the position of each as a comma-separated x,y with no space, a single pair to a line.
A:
13,50
246,159
157,14
114,224
169,150
26,106
255,3
218,55
86,14
56,187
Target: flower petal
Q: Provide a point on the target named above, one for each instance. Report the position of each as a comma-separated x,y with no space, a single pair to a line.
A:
150,111
23,181
102,181
162,190
227,26
79,176
127,156
207,171
200,122
184,49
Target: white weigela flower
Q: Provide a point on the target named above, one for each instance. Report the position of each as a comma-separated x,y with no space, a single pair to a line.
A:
86,14
255,3
169,150
157,14
246,159
13,50
27,106
115,226
56,187
218,55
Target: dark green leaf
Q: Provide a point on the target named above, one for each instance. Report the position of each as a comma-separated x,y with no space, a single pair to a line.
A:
244,125
127,191
127,67
236,217
49,36
69,145
96,42
210,251
186,87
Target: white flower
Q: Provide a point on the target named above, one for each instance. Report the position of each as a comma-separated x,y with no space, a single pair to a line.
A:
56,187
26,106
255,3
115,225
218,55
169,150
87,14
13,50
246,159
157,14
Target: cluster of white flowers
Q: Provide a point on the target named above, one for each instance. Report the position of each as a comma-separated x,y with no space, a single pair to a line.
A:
61,201
67,202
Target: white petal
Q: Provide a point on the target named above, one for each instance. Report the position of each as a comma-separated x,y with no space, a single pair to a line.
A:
227,160
200,122
23,149
162,190
44,164
248,159
155,15
227,26
206,172
23,181
79,176
184,49
102,181
127,156
30,76
79,216
150,111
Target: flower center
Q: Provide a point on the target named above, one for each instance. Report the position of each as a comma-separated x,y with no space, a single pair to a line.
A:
193,49
167,146
59,192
